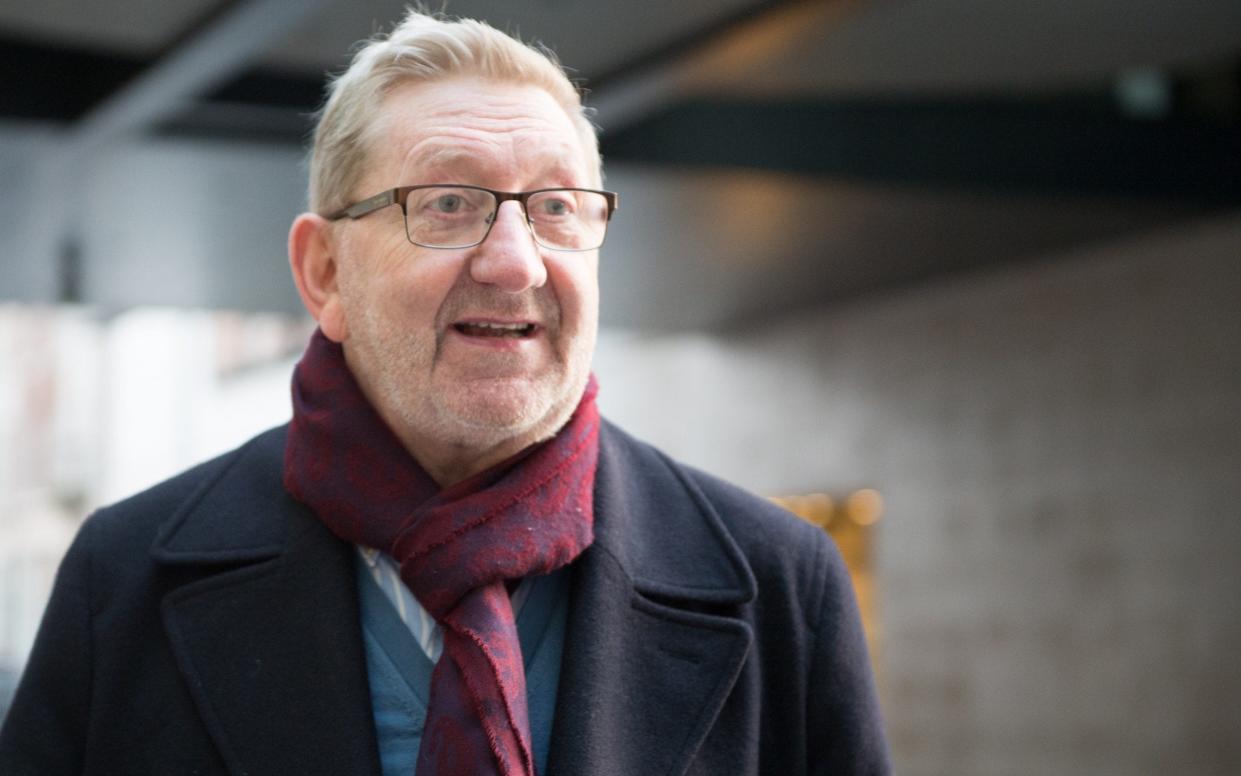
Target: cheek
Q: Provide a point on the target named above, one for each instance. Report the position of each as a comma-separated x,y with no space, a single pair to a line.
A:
365,259
576,284
410,284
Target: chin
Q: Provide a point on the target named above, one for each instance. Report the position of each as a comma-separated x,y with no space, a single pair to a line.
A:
492,411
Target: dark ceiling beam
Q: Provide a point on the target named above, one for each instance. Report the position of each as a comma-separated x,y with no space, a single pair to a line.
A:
241,121
200,59
60,85
1078,145
43,82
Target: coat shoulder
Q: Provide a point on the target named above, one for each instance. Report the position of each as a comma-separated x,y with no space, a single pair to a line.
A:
133,524
754,521
790,558
752,518
782,551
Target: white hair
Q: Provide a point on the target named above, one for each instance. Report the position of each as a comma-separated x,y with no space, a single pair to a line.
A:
422,48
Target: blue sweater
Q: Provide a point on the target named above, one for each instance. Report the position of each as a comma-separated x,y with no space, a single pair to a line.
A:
400,672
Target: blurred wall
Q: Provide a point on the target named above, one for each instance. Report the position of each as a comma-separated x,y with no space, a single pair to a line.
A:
1058,446
188,223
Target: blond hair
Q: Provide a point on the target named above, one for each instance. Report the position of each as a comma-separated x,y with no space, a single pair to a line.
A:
421,48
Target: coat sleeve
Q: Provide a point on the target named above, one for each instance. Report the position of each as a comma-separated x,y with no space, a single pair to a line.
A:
845,726
45,730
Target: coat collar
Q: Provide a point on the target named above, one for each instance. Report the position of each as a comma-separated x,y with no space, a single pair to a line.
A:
653,648
232,518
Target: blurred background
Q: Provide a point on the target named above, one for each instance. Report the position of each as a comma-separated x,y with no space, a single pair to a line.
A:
973,265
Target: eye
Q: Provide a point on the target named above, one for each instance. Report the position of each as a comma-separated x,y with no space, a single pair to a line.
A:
555,204
448,203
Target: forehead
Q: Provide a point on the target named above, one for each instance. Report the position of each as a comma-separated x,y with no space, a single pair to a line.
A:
469,130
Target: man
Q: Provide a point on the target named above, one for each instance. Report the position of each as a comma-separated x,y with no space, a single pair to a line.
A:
447,563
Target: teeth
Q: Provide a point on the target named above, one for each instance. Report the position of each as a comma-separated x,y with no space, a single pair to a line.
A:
481,329
502,326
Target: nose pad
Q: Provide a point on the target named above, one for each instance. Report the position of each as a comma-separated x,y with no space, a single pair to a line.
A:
509,257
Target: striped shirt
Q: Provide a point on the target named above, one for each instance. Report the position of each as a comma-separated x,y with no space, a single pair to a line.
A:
426,631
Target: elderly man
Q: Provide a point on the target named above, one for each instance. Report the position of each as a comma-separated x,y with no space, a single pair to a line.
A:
447,563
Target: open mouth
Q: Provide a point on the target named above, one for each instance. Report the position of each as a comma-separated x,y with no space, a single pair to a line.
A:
501,330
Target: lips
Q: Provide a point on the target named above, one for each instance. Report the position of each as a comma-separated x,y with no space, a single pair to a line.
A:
491,329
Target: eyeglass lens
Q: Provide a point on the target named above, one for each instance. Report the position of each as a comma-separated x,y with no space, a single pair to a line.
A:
458,217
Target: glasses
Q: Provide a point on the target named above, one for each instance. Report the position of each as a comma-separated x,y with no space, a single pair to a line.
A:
462,216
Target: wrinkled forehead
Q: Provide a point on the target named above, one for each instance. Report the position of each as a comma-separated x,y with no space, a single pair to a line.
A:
469,130
448,159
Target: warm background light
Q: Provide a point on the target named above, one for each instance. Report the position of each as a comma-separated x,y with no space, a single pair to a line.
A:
850,521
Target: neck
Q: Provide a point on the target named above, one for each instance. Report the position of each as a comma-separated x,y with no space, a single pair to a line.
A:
450,464
452,457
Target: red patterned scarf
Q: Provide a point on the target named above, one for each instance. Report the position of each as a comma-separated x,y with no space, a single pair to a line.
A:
456,547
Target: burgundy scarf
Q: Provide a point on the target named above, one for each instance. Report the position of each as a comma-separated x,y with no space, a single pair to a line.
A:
456,547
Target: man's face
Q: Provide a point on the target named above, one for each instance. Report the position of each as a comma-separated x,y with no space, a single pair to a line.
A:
429,333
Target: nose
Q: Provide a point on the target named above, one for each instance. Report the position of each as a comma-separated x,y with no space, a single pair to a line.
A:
509,258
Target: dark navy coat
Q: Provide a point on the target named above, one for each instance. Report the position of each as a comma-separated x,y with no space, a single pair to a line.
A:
210,625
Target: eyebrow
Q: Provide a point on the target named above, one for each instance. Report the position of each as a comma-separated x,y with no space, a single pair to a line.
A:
445,156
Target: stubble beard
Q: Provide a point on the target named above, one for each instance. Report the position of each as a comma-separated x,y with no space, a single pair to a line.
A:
481,415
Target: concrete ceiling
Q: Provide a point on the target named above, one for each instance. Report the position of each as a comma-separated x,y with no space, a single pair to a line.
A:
841,45
979,132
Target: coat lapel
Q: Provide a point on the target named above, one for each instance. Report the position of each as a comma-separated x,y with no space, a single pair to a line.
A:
266,630
653,646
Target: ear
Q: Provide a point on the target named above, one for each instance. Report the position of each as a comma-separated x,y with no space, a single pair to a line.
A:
312,257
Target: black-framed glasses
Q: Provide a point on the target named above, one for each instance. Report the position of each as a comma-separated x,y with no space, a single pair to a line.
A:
461,216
